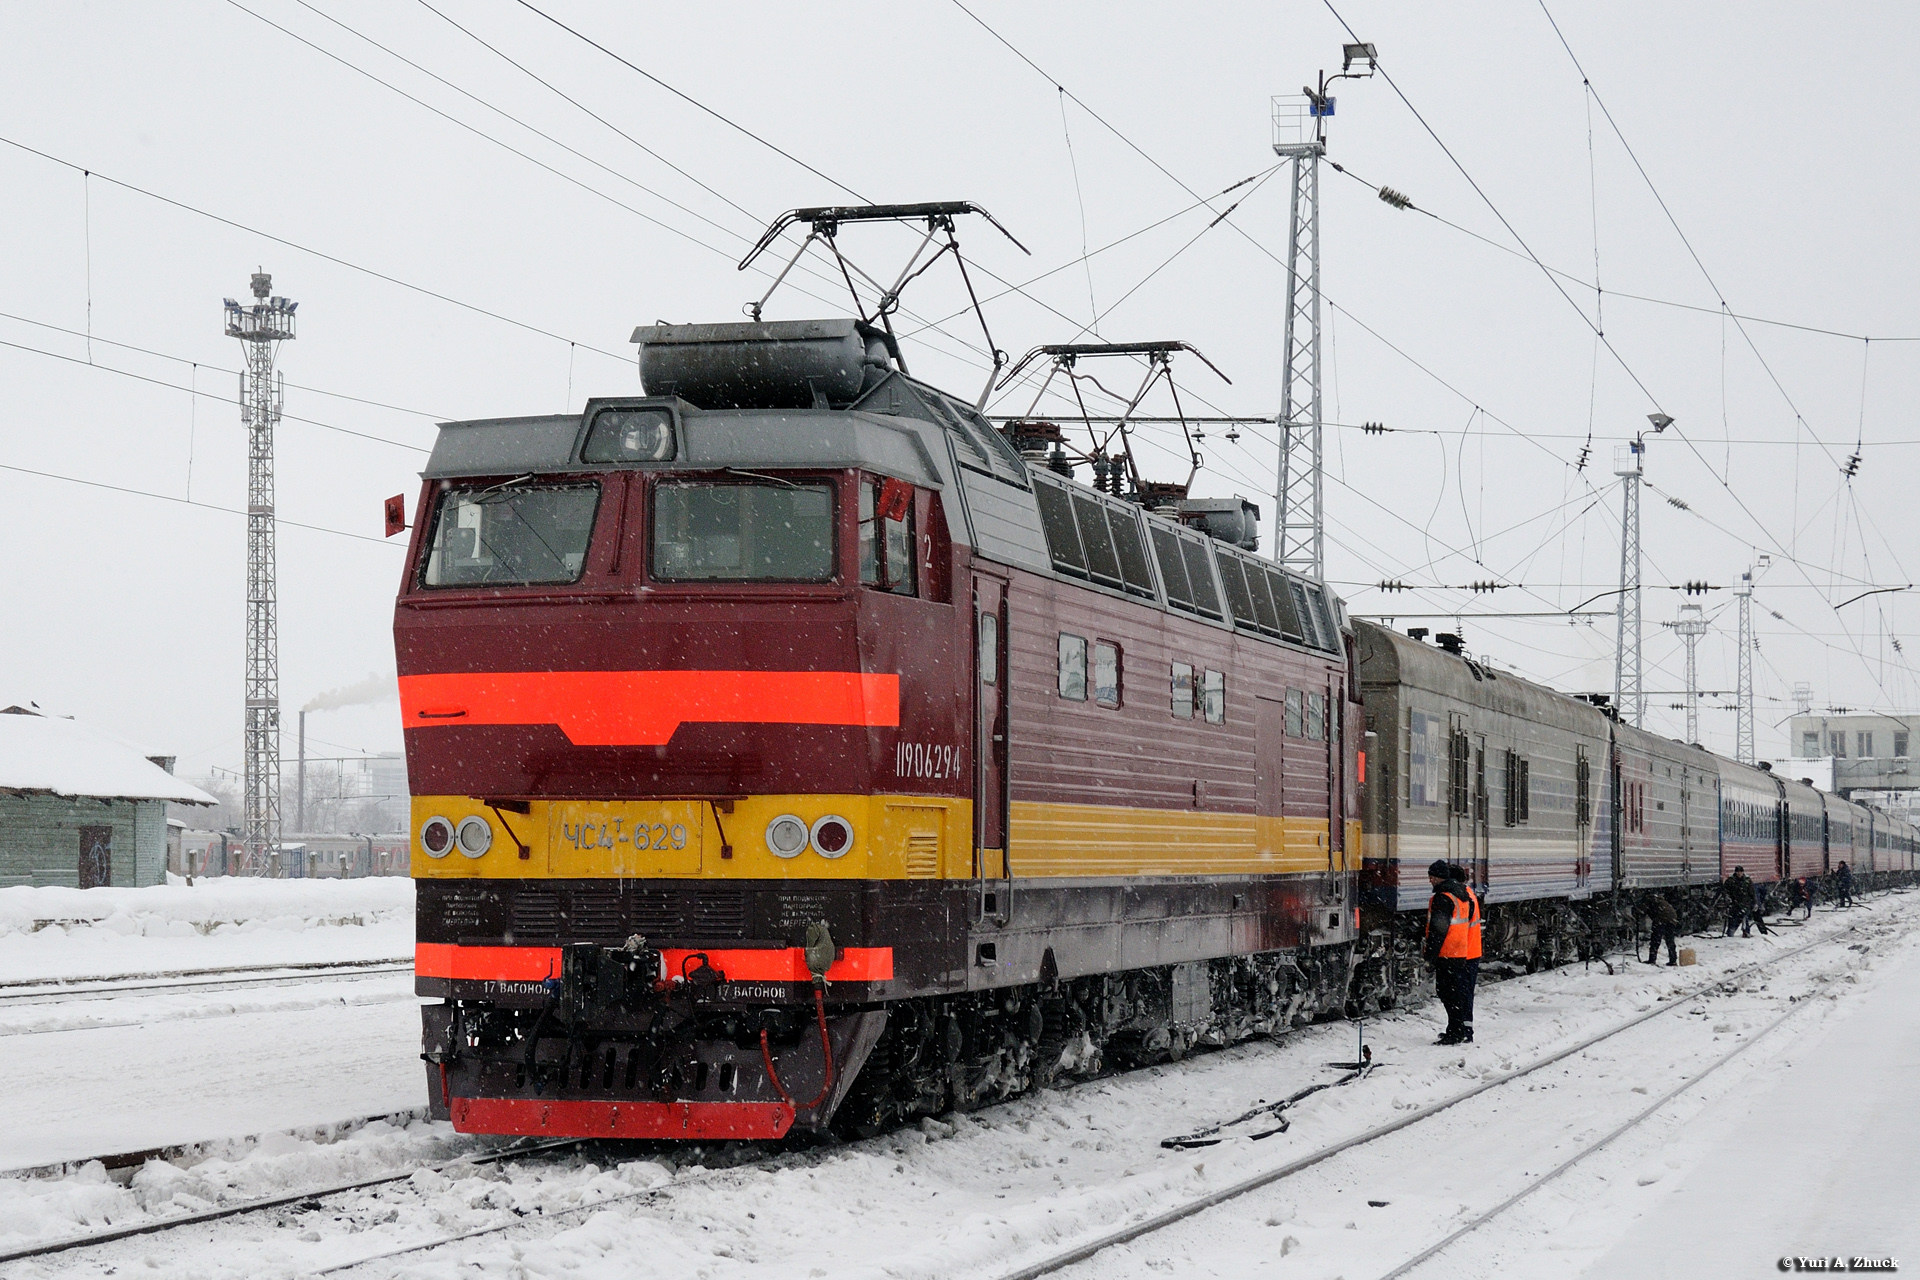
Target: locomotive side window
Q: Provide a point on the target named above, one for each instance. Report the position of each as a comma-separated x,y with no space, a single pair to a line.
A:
1103,566
989,648
1303,614
1131,547
1106,674
1063,540
733,532
1173,569
1213,696
1296,714
1234,579
1317,716
511,535
1073,667
1206,599
1182,690
886,536
1283,588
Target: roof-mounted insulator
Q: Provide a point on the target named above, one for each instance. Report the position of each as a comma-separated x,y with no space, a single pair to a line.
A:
1395,199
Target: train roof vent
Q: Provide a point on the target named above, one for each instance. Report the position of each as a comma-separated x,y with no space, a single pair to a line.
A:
786,364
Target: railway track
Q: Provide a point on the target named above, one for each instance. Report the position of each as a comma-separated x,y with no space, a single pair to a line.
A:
50,991
1087,1249
1066,1257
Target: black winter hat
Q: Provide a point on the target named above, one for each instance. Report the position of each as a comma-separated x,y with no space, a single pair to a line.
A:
1440,871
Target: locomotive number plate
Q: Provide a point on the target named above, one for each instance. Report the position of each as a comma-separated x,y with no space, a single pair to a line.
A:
637,839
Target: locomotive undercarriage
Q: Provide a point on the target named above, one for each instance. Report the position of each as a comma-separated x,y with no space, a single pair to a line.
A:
889,1063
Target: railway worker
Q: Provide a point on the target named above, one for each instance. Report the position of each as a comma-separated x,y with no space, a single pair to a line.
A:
1739,891
1452,947
1843,886
1666,924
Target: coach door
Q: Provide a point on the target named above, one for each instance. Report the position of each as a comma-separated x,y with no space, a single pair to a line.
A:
991,861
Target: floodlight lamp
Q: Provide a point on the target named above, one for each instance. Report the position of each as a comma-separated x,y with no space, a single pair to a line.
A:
1660,421
1352,53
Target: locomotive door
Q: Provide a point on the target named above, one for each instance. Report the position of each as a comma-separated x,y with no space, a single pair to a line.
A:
990,857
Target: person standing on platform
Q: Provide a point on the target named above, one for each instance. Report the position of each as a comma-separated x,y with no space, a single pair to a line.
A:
1666,924
1452,947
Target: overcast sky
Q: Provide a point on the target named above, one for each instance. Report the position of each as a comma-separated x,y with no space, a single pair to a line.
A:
1778,136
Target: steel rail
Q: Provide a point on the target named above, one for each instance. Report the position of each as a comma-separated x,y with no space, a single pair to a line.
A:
14,999
157,1225
55,985
1199,1204
1634,1122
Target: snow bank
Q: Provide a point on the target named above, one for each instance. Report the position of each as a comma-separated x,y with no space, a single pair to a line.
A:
51,932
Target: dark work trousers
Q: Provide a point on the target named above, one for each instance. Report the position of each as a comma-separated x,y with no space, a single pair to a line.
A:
1453,981
1671,933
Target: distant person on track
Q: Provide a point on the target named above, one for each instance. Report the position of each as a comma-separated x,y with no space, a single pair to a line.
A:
1739,891
1666,924
1843,886
1453,948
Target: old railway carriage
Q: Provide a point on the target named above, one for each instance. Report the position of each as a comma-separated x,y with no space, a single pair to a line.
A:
1487,770
784,746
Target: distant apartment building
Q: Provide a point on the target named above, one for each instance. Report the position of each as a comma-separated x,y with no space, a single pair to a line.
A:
1869,752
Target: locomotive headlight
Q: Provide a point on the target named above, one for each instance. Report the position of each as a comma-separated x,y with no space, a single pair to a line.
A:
831,836
786,836
436,837
473,836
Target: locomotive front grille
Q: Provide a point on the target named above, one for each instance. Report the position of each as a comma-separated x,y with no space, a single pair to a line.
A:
536,913
596,915
719,913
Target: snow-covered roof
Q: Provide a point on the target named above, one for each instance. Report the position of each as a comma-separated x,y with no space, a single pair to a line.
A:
56,756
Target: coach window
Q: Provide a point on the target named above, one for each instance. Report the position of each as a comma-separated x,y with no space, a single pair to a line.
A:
1317,716
1182,691
886,536
1073,667
1213,696
1106,674
1296,717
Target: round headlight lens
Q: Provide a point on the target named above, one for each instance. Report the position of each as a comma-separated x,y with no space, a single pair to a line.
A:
436,837
786,836
474,836
831,836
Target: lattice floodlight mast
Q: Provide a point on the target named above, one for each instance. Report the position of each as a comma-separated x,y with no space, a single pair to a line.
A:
260,327
1629,692
1300,135
1690,626
1743,733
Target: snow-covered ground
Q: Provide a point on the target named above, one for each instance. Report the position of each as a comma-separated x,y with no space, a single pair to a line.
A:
1805,1144
229,920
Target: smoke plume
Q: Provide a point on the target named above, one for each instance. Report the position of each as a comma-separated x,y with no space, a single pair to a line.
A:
372,689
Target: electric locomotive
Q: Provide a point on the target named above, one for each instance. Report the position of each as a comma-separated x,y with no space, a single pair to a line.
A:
788,749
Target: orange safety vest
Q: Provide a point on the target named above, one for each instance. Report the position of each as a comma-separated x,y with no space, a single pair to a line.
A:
1463,931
